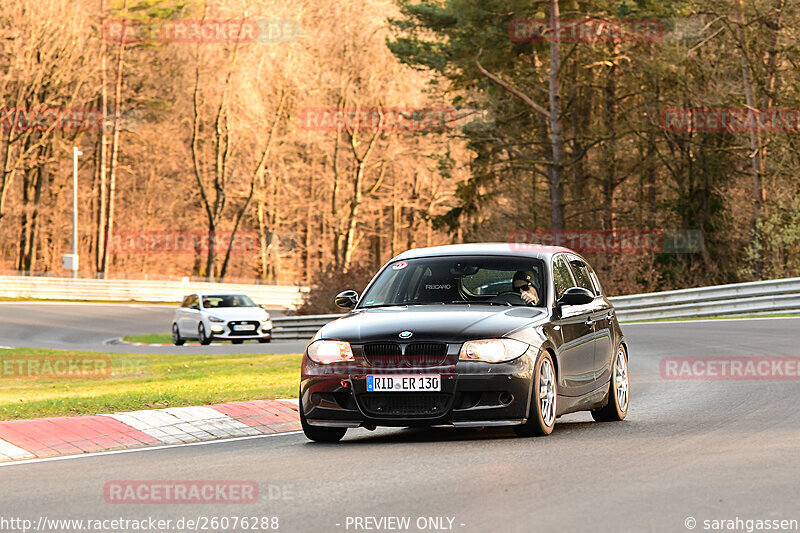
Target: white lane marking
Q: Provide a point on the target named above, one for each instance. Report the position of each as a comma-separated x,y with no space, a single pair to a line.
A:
689,321
143,449
161,428
292,401
175,425
14,452
212,421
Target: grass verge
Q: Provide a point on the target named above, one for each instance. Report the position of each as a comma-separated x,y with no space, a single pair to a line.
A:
137,381
150,338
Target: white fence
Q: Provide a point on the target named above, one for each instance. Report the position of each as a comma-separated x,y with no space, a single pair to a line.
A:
758,297
140,290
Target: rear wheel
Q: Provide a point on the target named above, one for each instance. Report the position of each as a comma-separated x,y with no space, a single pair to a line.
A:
205,340
542,413
176,336
618,391
319,434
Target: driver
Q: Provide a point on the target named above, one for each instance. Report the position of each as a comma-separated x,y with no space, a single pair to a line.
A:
523,283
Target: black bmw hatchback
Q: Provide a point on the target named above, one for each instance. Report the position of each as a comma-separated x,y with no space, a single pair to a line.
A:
468,335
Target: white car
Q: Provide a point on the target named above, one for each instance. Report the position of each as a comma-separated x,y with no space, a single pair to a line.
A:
220,317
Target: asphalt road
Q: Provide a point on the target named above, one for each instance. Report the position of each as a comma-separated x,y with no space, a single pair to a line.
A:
699,450
94,327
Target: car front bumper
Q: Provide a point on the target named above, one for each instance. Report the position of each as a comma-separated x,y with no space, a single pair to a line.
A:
225,332
472,394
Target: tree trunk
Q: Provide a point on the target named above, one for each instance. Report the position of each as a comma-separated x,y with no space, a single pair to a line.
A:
556,168
101,156
112,171
610,178
755,147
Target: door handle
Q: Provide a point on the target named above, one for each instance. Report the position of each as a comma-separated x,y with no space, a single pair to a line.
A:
589,321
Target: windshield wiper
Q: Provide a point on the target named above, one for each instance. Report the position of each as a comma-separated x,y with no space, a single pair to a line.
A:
504,304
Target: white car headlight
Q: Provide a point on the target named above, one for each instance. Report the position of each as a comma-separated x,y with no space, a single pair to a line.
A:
492,350
215,319
327,352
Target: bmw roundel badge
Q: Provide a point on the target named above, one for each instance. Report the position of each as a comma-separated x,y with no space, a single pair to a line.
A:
405,334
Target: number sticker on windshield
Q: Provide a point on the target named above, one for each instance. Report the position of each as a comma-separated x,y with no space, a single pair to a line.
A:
400,266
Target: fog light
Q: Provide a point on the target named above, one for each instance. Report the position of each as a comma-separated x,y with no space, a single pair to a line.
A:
216,329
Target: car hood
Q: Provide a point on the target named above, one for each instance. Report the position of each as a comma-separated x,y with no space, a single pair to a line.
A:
446,323
237,313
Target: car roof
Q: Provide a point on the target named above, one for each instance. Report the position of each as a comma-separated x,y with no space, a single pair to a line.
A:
539,251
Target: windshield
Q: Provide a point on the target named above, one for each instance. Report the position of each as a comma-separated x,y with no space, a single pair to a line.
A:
446,280
227,300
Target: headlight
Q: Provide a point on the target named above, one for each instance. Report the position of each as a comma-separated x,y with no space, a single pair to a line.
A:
215,319
492,350
327,352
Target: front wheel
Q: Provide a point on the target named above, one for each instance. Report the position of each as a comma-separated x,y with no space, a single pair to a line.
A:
319,434
176,336
542,412
205,340
619,391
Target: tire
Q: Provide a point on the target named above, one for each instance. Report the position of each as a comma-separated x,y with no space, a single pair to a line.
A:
544,397
618,391
176,336
201,335
237,341
319,434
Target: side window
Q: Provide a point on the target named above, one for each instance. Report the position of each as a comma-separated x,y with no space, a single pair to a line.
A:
596,281
562,278
193,300
581,274
185,302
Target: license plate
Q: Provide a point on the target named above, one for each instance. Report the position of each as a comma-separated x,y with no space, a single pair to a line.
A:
404,383
244,327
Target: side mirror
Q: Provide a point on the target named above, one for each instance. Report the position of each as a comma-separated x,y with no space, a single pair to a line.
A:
346,299
575,296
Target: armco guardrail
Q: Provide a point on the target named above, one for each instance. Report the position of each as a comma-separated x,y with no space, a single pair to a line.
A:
757,297
140,290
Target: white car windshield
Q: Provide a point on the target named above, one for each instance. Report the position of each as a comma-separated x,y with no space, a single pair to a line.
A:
227,300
